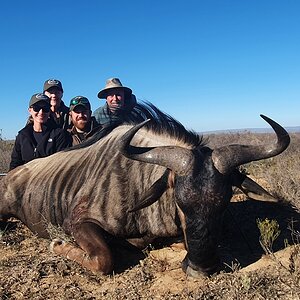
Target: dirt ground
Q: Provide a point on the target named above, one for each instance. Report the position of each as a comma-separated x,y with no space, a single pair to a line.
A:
28,270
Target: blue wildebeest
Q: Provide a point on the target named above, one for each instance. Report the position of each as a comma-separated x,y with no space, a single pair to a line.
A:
138,183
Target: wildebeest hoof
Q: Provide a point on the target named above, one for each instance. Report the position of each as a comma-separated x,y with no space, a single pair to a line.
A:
55,243
194,273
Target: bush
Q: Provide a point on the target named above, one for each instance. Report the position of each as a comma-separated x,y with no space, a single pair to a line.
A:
5,153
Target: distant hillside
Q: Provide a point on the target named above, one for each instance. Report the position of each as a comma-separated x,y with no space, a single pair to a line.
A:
254,130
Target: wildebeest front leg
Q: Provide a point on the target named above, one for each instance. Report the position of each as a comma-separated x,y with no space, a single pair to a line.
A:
93,252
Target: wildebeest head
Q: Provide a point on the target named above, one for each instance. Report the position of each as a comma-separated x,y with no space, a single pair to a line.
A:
202,188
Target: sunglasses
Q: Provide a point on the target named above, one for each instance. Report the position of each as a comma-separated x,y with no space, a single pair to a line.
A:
81,100
44,108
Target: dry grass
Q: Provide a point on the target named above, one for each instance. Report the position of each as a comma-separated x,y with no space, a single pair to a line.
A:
5,152
29,271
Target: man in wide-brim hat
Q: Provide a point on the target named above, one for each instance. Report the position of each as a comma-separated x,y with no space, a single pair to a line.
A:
119,102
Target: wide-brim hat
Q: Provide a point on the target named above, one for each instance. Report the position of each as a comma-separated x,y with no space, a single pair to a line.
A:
52,83
113,83
40,97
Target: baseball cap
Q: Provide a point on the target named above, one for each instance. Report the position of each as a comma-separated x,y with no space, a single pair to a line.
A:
52,83
39,97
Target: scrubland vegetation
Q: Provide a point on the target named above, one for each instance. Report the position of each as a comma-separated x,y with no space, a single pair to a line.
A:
280,173
29,271
5,152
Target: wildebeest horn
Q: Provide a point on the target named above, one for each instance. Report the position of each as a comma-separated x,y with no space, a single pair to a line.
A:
228,157
175,158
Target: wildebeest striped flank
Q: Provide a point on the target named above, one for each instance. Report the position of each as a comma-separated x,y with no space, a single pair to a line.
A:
134,182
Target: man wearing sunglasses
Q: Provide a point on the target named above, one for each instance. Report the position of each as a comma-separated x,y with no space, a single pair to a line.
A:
84,125
119,102
41,136
59,111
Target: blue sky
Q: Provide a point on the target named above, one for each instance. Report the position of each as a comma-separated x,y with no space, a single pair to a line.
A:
211,64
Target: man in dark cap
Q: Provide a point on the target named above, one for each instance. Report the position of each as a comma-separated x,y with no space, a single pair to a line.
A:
119,102
59,111
84,125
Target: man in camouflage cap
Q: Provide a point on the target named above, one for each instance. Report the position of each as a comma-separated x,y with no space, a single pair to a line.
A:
84,125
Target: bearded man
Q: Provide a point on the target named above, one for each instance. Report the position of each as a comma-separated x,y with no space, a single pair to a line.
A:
84,125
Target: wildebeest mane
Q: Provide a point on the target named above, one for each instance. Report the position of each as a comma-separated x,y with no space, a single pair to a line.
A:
161,123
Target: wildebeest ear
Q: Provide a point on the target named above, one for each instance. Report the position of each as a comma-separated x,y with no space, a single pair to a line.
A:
154,193
250,188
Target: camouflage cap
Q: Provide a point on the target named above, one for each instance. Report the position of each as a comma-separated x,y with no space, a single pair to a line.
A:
80,100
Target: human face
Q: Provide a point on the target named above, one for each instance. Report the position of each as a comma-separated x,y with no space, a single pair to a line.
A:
115,99
80,117
39,112
55,95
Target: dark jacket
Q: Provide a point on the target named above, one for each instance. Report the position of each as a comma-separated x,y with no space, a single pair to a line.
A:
26,148
63,121
105,117
78,138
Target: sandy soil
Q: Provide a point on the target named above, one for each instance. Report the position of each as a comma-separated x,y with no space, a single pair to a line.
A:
28,270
